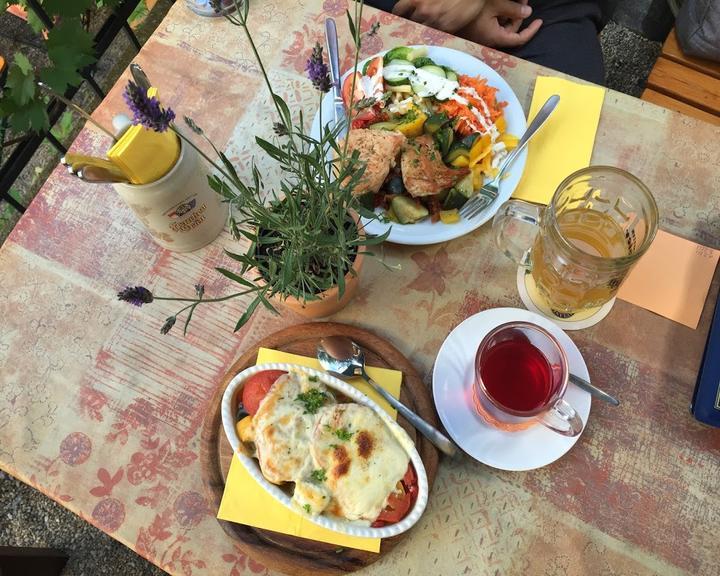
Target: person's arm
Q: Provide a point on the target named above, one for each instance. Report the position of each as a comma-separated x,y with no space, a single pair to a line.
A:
447,15
498,24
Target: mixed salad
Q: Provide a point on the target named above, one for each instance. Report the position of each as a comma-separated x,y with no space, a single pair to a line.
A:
441,113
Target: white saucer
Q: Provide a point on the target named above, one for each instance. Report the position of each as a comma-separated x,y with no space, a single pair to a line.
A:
453,377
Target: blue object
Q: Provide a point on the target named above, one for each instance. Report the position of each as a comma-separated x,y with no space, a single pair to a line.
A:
705,404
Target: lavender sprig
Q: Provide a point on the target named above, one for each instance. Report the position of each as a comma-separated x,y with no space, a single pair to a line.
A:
317,70
147,110
136,295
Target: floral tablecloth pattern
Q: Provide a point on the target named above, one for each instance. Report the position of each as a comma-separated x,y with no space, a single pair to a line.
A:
103,414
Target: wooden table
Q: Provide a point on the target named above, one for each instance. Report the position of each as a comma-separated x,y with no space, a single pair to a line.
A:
102,413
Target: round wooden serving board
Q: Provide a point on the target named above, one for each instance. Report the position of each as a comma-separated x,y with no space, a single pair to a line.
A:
290,554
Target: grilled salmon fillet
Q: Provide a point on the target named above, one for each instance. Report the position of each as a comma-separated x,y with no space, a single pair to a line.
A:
379,150
423,170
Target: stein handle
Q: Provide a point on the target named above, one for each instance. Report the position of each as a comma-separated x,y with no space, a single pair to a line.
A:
515,228
570,423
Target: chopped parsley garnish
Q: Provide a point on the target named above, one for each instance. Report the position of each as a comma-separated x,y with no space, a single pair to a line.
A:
318,475
344,434
313,378
307,508
313,400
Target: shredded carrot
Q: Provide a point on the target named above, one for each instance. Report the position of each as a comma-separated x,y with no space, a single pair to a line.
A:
487,93
466,122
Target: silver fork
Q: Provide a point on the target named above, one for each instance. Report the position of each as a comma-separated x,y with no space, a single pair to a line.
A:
489,191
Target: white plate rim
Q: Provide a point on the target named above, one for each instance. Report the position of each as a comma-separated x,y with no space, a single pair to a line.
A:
426,233
493,317
251,464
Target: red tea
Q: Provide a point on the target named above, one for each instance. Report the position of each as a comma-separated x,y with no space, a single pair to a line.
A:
517,375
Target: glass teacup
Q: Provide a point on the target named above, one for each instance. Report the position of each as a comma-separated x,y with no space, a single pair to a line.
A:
521,375
580,248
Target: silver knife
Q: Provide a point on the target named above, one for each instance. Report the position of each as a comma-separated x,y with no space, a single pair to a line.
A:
594,390
332,48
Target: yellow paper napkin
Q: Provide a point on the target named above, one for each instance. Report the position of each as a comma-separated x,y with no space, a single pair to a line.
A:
246,502
565,143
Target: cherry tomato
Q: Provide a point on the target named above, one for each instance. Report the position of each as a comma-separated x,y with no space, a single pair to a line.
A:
256,387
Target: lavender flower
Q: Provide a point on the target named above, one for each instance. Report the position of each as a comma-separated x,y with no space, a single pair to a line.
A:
169,323
194,127
200,290
147,111
317,70
136,295
280,129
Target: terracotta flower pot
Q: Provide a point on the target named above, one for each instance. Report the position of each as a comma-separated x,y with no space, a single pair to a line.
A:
328,303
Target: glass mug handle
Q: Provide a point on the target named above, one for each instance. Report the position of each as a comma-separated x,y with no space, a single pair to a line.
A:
515,227
571,425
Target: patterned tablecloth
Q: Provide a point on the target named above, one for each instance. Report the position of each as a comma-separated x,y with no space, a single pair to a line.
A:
102,413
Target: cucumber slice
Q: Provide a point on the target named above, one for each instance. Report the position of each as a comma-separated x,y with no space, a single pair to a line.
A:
395,73
456,151
415,53
421,88
397,53
454,200
399,62
450,74
465,186
423,61
432,69
435,122
444,138
407,210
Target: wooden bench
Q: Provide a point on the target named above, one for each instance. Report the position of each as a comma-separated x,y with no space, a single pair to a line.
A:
685,84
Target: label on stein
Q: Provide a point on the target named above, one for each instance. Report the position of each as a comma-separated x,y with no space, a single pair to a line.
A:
180,211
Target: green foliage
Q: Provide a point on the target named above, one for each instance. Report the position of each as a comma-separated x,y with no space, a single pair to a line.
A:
70,50
63,126
67,7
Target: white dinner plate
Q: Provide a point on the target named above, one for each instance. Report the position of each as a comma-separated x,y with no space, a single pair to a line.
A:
453,377
426,232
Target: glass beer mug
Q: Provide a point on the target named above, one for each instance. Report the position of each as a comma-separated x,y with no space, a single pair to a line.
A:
580,247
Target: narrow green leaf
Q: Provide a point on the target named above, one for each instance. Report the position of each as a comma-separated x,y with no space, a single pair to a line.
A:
284,110
235,277
351,24
250,309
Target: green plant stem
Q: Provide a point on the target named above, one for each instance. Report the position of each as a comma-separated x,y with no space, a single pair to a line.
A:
205,300
77,109
199,151
243,24
358,22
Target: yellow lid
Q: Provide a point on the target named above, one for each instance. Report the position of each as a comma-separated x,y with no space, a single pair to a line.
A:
145,155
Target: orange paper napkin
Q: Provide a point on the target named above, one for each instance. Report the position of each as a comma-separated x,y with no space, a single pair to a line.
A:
246,502
672,278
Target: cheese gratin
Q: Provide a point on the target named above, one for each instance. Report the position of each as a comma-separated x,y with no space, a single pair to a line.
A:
342,458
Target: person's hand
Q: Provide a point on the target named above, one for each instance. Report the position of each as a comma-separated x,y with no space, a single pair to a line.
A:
447,15
499,22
